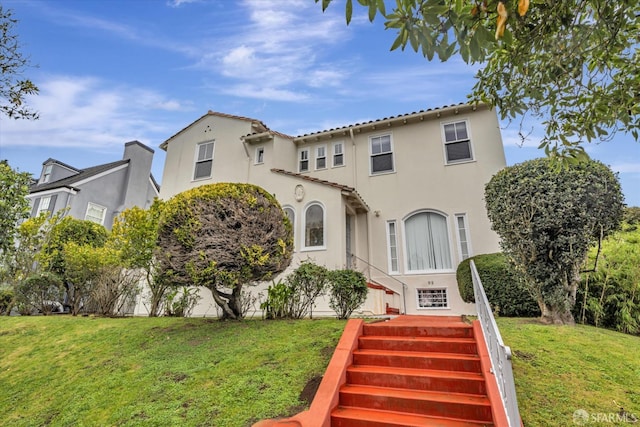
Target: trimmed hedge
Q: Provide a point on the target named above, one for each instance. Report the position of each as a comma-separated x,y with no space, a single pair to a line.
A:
506,293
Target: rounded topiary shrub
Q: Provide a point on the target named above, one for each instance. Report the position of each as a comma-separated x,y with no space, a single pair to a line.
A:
505,291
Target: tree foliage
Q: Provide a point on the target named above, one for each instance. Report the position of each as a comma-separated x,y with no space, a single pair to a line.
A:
13,87
14,206
307,282
135,234
547,217
347,291
572,64
40,291
223,236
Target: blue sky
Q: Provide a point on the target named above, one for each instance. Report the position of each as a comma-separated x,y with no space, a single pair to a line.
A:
112,71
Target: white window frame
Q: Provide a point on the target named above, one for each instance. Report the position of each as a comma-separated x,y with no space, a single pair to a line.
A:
305,159
197,160
43,205
465,223
96,206
321,156
372,155
406,254
46,173
334,154
456,141
259,156
304,228
443,290
392,240
293,223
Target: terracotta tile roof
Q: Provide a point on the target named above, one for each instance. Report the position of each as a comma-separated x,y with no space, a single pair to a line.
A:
81,175
341,187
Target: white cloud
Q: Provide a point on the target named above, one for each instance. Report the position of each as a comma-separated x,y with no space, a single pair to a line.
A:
88,112
630,168
178,3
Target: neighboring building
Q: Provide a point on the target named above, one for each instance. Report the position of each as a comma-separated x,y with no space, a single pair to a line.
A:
98,193
400,198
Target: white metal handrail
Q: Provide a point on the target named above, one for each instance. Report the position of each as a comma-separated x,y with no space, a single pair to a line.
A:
499,353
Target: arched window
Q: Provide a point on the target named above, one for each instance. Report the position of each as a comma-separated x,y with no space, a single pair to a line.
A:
314,226
427,241
291,214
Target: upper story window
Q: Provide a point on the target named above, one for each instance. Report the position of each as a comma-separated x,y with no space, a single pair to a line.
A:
259,156
321,157
381,154
95,213
427,242
314,226
338,154
204,160
46,174
457,144
303,160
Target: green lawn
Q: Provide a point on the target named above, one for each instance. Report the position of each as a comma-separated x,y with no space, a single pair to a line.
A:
65,371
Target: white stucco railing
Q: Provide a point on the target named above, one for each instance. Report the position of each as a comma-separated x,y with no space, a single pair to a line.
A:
500,354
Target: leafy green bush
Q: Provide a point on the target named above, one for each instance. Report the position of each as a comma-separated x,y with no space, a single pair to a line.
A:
348,290
307,283
6,300
41,291
278,300
505,292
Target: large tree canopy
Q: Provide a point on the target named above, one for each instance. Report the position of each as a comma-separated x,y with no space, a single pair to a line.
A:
13,87
14,206
571,64
547,217
223,236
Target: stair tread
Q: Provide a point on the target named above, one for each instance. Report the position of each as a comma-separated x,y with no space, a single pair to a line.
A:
426,354
392,418
416,372
425,339
464,398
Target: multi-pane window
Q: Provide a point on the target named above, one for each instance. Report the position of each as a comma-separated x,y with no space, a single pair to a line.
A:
381,154
338,154
204,160
427,242
259,155
303,160
457,145
291,214
432,298
393,246
46,173
463,236
314,226
44,205
95,213
321,157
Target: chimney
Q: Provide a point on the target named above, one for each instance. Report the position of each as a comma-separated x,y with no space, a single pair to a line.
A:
136,192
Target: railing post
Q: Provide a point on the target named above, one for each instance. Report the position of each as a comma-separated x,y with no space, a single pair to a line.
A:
499,354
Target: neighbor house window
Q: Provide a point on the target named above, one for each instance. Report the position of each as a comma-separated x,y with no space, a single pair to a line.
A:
44,205
427,242
303,160
464,244
381,154
95,213
291,214
338,154
432,298
314,226
204,160
457,145
392,240
321,157
259,155
46,173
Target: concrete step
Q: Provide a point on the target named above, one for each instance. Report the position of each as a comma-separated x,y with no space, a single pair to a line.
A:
358,417
432,329
419,344
417,360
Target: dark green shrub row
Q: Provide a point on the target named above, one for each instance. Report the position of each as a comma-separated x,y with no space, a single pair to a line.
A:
506,293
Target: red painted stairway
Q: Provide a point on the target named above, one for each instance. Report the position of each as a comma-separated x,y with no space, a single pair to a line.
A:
409,371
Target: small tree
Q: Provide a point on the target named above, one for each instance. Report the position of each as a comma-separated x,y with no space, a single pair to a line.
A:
547,217
348,290
223,236
41,291
308,282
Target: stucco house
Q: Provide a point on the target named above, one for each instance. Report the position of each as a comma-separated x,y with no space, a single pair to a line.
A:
97,193
399,199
